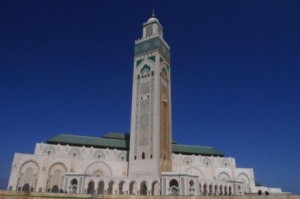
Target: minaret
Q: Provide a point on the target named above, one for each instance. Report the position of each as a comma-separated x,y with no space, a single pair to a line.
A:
151,132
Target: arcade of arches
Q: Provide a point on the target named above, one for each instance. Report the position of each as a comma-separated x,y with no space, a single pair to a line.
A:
123,188
203,188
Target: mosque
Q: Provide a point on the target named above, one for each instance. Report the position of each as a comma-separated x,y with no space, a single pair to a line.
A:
146,162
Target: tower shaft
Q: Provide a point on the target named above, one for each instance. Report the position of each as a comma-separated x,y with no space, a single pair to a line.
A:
151,133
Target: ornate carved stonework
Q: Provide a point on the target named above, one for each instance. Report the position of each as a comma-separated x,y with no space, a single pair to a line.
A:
151,45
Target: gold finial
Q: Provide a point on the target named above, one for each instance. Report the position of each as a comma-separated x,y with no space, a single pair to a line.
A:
153,13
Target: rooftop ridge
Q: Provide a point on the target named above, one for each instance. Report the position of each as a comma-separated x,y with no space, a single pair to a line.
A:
120,133
75,135
103,136
209,147
54,139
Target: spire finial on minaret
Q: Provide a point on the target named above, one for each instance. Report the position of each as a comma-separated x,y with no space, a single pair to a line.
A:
153,13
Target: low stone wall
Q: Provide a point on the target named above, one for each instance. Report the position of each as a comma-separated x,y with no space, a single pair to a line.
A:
199,197
38,195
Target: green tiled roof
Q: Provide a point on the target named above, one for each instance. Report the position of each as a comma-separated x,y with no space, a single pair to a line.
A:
121,141
190,149
76,140
117,135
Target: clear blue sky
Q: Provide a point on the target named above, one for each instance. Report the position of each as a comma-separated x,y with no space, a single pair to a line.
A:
66,67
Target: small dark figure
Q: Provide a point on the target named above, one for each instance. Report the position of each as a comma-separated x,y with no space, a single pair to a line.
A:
259,192
267,193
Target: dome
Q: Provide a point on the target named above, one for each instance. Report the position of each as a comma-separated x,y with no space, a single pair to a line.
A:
152,19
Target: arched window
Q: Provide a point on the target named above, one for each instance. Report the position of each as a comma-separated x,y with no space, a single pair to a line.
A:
145,71
192,188
207,162
74,184
191,183
143,155
98,173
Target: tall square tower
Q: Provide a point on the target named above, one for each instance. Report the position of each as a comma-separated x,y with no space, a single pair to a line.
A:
151,129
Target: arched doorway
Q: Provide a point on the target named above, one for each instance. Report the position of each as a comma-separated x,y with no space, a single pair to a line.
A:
230,190
174,191
132,188
110,187
121,186
225,190
155,189
143,188
221,190
100,187
205,189
54,189
91,188
26,187
210,190
200,189
216,190
56,177
28,176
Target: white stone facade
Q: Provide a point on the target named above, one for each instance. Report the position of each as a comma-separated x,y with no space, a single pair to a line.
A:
150,166
59,168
